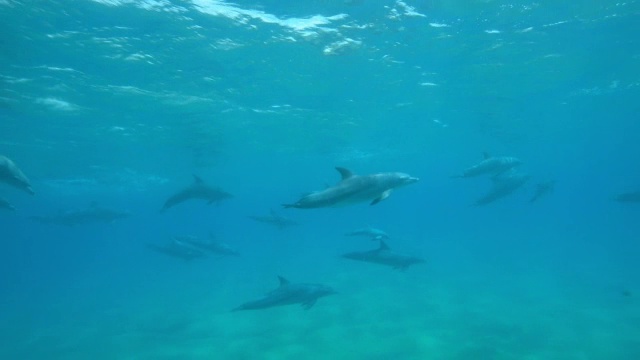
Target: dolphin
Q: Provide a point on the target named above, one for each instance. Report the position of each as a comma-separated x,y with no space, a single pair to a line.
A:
198,190
629,197
490,165
373,233
503,185
275,219
178,249
287,294
92,214
10,174
542,189
354,189
216,247
383,255
4,204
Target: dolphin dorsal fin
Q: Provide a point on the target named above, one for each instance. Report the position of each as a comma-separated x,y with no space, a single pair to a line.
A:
283,281
486,155
197,179
383,246
345,173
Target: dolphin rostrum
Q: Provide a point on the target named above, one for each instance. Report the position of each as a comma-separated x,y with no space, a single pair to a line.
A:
275,219
197,190
287,294
10,174
354,189
490,165
503,185
373,233
4,204
384,256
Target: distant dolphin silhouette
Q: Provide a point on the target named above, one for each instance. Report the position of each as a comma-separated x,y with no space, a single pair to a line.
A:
542,189
4,204
629,197
354,189
197,190
373,233
503,185
384,256
10,174
178,249
490,165
288,294
212,245
275,219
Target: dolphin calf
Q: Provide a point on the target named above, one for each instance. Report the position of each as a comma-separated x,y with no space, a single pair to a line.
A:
178,249
503,185
629,197
4,204
275,219
197,190
10,174
212,245
490,165
354,189
287,294
373,233
383,255
92,214
542,189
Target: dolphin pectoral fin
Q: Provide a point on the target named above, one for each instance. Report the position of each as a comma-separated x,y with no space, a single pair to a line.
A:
308,304
382,196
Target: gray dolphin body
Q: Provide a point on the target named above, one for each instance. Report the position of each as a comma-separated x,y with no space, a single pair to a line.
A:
275,219
503,185
212,245
373,233
354,189
629,197
288,294
178,249
490,165
197,190
384,256
93,214
542,189
4,204
10,174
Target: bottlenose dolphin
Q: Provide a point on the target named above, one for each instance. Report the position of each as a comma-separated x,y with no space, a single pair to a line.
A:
212,245
490,165
12,175
383,255
542,189
92,214
287,294
503,185
373,233
178,249
197,190
4,204
275,219
353,189
629,197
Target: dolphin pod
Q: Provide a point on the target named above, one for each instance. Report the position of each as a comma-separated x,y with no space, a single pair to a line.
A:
12,175
353,189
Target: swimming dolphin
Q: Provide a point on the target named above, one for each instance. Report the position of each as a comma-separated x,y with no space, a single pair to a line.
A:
287,294
629,197
198,190
92,214
275,219
490,165
503,185
178,249
384,256
4,204
214,246
373,233
542,189
353,189
12,175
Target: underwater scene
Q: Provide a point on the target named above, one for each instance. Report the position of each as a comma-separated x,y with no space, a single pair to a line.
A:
320,179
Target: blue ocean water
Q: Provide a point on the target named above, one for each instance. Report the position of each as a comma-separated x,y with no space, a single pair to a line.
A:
115,104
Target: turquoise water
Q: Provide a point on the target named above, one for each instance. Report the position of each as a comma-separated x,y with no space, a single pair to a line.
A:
116,103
